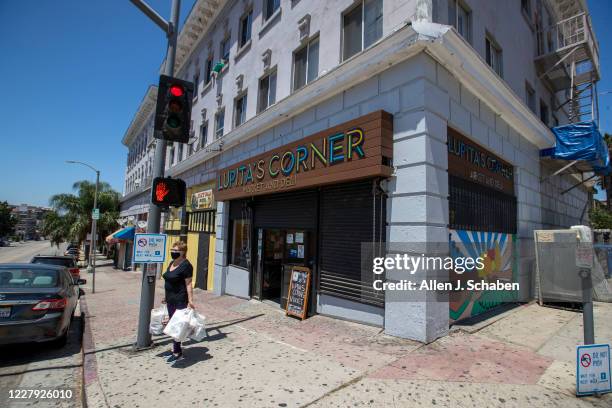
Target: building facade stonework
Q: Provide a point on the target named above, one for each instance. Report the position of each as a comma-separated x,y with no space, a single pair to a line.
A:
277,77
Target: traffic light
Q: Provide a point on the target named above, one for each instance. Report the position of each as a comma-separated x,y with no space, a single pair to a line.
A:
173,111
168,192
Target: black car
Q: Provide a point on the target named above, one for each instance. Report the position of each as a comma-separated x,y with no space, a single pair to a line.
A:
37,303
67,261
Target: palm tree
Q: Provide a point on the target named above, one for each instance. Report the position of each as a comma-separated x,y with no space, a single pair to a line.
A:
70,219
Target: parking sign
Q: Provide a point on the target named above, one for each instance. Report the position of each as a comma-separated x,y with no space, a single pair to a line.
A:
149,248
593,369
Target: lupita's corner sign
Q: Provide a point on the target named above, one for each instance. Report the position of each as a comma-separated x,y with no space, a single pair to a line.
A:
354,150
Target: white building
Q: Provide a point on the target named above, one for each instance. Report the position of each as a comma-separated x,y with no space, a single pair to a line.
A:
140,142
451,77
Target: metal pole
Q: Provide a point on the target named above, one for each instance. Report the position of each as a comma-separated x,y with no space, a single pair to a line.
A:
92,251
587,306
147,296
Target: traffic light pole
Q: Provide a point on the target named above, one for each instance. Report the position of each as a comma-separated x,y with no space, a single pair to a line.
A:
147,294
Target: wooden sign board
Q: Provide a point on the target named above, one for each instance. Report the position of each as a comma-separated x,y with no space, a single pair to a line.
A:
299,288
358,149
470,161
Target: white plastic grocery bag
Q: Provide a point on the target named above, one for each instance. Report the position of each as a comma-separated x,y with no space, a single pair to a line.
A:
178,327
198,327
157,320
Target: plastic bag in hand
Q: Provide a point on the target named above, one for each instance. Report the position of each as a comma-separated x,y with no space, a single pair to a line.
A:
198,328
178,327
158,315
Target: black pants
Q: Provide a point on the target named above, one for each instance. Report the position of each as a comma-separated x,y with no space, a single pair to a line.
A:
176,345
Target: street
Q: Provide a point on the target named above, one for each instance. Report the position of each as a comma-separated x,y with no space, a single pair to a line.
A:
40,366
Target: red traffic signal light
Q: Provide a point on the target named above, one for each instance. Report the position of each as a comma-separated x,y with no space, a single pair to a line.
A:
168,192
176,90
173,111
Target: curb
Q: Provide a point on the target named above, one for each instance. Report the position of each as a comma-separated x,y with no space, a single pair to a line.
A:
89,362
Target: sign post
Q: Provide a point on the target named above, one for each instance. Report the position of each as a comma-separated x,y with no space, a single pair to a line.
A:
593,369
584,262
95,214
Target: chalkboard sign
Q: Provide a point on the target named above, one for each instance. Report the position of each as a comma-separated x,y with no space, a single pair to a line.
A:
299,286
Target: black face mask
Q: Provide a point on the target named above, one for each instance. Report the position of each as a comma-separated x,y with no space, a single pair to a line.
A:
175,254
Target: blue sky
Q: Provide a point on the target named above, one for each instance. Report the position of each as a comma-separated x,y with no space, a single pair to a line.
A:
74,73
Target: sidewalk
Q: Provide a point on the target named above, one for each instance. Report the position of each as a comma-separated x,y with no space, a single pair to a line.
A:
257,357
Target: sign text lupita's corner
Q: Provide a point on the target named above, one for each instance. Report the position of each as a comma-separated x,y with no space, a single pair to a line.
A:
330,150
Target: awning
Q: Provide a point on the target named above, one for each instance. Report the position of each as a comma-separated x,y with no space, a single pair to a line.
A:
583,144
125,234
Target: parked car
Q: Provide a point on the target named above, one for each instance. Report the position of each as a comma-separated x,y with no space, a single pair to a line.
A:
37,303
72,251
68,261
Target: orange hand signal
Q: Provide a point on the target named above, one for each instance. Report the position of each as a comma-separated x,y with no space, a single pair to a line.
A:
161,191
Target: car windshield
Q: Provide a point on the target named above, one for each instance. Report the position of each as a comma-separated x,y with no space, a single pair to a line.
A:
28,278
54,261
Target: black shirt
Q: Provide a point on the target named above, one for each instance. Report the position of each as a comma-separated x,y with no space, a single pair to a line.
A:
176,289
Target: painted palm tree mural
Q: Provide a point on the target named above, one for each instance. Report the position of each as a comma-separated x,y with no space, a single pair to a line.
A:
498,251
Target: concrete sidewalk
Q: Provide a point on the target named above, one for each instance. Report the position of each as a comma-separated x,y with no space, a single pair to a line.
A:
257,357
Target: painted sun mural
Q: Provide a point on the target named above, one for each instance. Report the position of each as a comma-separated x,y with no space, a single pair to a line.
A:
498,251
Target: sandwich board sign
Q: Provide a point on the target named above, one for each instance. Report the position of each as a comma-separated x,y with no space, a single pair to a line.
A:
149,248
593,369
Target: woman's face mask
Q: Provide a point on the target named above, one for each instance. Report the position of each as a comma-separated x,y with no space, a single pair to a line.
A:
175,254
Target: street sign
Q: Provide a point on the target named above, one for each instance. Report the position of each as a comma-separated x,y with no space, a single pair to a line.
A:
95,214
149,248
593,369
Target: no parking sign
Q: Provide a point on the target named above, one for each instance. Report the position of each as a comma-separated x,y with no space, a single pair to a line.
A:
149,248
593,369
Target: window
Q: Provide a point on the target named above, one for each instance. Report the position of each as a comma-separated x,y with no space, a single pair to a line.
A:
361,27
203,134
306,64
208,70
240,106
526,7
241,246
219,123
172,161
180,152
225,50
245,28
270,7
544,114
196,82
494,55
530,98
267,91
459,16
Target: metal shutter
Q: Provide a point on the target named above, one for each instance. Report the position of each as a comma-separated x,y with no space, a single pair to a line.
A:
288,210
347,212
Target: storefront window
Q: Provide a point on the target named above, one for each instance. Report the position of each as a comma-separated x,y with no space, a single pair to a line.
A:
241,243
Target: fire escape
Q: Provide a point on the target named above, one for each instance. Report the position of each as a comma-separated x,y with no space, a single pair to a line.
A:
568,61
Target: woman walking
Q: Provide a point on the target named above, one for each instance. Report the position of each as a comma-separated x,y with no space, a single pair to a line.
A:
179,293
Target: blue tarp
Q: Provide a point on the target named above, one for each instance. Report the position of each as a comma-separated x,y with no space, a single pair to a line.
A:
581,141
126,233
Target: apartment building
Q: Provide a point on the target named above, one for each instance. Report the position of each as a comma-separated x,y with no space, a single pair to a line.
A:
324,127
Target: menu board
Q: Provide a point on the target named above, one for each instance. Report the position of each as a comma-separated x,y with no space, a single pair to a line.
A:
299,285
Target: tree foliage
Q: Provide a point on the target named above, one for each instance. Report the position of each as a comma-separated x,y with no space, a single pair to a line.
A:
70,219
600,218
7,220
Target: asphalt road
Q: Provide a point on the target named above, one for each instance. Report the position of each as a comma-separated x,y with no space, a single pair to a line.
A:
24,251
40,366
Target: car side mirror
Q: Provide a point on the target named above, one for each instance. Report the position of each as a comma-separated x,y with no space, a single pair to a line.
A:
80,281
